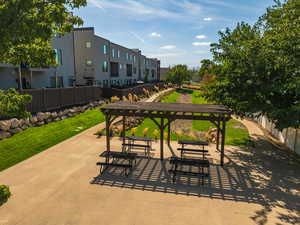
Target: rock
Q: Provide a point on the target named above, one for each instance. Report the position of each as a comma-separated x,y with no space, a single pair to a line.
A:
60,114
49,120
24,127
27,121
64,117
57,119
40,123
5,125
14,123
33,120
47,115
21,122
41,116
15,130
54,115
71,111
4,134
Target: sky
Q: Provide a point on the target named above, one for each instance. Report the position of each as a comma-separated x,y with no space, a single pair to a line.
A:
174,31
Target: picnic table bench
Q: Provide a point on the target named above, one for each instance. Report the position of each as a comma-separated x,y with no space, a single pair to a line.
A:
177,164
131,144
112,159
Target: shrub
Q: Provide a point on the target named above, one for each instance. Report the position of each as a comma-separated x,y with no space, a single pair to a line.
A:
156,134
12,103
145,131
4,194
133,130
114,99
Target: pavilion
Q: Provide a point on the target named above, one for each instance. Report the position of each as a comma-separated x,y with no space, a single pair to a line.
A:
163,114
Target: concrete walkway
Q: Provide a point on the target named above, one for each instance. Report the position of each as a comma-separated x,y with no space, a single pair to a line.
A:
258,185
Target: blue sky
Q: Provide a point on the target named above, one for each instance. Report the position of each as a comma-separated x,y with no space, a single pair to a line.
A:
175,31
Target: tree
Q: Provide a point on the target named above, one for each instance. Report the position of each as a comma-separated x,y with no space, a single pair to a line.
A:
178,74
27,28
259,67
206,65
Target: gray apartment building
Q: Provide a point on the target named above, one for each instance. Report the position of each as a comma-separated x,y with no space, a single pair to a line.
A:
85,59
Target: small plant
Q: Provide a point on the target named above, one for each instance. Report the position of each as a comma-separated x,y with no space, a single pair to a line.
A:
4,194
145,131
124,98
192,135
12,103
135,98
130,97
133,131
156,134
179,133
165,135
156,88
114,99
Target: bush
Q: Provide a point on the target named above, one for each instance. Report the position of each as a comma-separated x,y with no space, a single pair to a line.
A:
12,104
4,194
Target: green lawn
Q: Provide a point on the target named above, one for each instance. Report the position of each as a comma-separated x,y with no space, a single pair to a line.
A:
37,139
171,98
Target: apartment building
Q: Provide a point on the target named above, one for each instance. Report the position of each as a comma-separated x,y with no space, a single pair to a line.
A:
85,59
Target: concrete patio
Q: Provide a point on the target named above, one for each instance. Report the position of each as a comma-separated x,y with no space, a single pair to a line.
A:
258,185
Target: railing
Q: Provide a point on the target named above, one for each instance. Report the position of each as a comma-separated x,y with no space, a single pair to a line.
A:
49,99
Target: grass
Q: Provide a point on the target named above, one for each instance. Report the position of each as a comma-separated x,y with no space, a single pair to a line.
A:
37,139
171,98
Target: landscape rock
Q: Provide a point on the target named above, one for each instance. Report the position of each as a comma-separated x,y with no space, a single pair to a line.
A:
47,115
40,123
21,122
64,117
33,120
4,134
41,116
15,130
54,115
24,127
14,123
57,119
27,121
5,125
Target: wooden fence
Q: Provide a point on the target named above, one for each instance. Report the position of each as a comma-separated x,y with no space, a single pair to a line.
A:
49,99
290,136
138,90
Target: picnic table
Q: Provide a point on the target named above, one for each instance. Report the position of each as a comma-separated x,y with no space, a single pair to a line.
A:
184,150
113,158
131,144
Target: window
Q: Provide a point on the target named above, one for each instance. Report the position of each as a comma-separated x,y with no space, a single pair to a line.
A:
134,70
88,44
119,53
120,66
105,67
58,56
104,49
129,70
89,62
127,56
113,53
134,58
57,82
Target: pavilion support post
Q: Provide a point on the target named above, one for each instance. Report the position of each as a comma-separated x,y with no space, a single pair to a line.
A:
161,139
218,135
124,129
169,131
223,142
107,126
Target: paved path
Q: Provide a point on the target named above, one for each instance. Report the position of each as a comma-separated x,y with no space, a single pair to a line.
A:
61,186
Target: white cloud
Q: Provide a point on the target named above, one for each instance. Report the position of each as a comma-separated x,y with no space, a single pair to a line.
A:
154,34
201,37
201,43
207,19
168,47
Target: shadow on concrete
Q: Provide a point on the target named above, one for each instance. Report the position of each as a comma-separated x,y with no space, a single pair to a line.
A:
260,174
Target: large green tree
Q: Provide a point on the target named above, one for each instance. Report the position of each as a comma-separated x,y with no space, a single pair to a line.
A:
178,74
260,66
28,26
